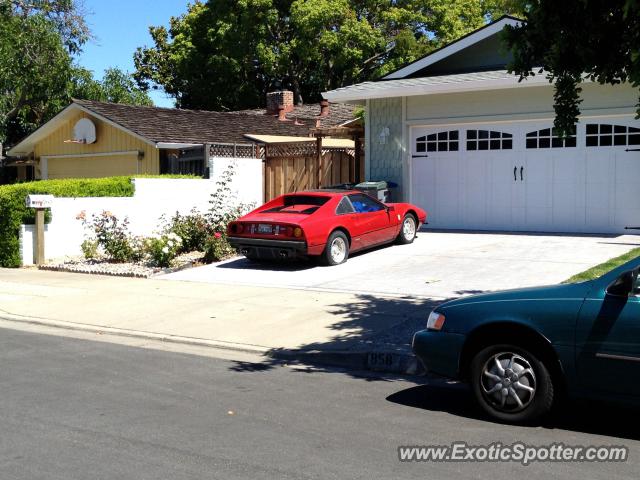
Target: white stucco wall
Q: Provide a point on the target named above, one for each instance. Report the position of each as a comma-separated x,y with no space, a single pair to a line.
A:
152,199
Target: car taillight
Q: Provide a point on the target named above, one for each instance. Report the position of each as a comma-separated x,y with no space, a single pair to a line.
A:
297,232
435,321
235,228
284,230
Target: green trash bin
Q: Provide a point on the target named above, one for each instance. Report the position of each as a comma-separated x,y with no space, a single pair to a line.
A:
378,190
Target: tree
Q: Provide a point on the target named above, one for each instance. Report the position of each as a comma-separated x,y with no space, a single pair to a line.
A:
226,54
116,86
66,15
37,38
573,40
38,41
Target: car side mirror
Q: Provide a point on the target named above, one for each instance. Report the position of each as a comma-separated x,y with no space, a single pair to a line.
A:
624,285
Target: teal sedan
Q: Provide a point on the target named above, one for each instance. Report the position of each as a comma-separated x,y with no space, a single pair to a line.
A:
521,350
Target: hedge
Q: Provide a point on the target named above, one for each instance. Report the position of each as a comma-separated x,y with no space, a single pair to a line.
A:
14,213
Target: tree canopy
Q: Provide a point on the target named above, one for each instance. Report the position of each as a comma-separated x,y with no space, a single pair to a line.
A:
226,54
116,86
38,42
573,40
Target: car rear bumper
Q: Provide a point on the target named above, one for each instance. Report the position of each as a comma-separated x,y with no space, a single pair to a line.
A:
439,352
268,249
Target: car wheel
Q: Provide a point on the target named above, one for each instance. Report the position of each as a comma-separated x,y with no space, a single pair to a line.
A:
408,229
337,249
511,384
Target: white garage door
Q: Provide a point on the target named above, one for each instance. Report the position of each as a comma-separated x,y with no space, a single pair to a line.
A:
520,176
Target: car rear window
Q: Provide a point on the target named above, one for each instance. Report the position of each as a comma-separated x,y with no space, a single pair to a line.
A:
304,204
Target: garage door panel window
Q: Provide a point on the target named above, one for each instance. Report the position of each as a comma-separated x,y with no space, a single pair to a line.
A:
607,135
447,141
550,138
489,140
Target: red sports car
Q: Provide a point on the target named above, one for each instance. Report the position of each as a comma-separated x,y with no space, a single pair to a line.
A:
324,223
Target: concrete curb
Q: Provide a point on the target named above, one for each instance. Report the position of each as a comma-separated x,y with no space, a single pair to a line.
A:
375,361
201,342
372,360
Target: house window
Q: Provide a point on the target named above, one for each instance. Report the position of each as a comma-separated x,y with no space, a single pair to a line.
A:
438,142
606,135
549,138
489,140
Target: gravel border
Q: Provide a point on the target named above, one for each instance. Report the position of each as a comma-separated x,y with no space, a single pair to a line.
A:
134,270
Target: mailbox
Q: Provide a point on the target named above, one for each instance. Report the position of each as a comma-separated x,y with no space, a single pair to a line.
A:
39,201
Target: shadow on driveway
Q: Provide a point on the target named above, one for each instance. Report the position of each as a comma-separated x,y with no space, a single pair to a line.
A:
369,323
579,416
242,263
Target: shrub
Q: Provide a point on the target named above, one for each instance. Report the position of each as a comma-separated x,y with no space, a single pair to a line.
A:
112,235
217,248
193,229
138,248
224,208
89,248
163,249
13,211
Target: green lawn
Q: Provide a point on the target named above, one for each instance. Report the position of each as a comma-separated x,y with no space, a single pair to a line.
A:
605,267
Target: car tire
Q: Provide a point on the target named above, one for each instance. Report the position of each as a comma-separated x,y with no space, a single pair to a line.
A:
500,373
408,230
337,249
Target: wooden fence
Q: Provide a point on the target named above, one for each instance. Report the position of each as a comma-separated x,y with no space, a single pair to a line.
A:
298,166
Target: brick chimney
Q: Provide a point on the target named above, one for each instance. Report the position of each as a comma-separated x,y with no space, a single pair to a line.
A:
324,108
281,98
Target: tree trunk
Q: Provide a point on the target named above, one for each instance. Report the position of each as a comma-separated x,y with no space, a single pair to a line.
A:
297,91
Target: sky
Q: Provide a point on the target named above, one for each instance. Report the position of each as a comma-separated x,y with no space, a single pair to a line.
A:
121,26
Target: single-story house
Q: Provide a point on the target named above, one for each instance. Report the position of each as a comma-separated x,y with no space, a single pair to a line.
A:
98,139
476,148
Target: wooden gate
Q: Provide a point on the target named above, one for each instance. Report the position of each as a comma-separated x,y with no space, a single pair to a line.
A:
293,167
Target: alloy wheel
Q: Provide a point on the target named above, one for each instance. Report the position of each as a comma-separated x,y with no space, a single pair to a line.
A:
508,382
338,250
409,228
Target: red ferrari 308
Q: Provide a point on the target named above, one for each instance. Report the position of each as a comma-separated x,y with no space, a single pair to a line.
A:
324,223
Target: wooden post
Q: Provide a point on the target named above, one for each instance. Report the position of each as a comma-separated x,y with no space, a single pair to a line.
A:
40,236
319,156
208,165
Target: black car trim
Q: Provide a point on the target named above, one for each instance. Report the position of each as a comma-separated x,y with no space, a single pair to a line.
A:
267,243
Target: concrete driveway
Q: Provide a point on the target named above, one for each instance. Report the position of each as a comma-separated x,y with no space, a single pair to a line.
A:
437,265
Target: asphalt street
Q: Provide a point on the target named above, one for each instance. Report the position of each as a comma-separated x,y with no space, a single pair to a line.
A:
73,408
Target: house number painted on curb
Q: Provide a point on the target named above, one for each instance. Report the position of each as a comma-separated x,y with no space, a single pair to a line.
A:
383,361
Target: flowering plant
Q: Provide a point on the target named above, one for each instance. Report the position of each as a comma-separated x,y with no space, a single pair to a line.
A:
217,248
162,249
193,228
109,233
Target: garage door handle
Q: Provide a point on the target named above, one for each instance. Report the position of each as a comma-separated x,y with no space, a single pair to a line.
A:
521,170
515,174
